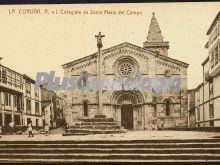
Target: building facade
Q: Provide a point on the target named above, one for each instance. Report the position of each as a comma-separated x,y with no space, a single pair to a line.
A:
32,104
11,96
52,107
191,108
208,92
19,102
133,109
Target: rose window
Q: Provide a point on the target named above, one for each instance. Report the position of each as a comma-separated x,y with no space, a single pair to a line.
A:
126,68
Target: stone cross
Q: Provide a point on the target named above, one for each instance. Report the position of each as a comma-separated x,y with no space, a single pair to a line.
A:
99,40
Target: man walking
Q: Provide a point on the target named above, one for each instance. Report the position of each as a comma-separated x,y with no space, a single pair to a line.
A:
46,128
29,129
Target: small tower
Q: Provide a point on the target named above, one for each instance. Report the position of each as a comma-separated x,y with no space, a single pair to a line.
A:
155,41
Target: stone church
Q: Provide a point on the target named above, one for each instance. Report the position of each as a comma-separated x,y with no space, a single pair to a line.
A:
132,109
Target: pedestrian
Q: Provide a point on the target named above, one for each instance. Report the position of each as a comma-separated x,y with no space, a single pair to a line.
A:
46,128
162,124
0,131
11,125
30,130
67,126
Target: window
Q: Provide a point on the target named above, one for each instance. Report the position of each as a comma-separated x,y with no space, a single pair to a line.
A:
7,99
212,59
37,108
211,110
198,96
9,78
29,120
219,51
126,68
15,101
13,79
19,103
84,81
198,114
211,88
28,88
36,92
216,54
4,76
19,82
28,105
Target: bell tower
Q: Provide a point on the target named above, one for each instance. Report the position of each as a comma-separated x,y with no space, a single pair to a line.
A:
155,41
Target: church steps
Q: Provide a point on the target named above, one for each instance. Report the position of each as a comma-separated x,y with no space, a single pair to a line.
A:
201,141
119,156
113,146
112,151
99,124
100,151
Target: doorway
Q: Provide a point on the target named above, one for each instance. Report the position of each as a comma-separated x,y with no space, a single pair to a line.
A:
127,116
85,108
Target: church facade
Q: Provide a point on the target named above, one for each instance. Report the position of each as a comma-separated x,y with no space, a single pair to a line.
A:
134,109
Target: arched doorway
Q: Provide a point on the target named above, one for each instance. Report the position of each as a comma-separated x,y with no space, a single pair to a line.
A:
127,109
127,116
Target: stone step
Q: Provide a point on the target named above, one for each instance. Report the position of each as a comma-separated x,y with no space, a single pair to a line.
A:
100,116
93,131
96,127
97,123
117,150
94,160
104,141
115,146
110,156
94,120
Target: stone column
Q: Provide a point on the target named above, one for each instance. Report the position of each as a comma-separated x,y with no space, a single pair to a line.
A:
3,118
12,108
99,69
100,76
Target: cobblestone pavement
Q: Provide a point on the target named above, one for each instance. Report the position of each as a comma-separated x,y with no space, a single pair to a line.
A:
134,135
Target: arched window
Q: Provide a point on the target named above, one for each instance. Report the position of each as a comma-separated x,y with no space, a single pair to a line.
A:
84,81
85,108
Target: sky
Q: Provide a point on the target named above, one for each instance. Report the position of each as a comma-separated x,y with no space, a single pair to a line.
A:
31,43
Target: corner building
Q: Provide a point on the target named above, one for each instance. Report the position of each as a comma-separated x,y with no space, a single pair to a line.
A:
208,92
133,109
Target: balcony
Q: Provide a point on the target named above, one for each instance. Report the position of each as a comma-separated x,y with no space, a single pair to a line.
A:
12,86
207,76
215,70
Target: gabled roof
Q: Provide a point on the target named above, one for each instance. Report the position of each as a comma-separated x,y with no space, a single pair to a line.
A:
213,23
205,61
125,44
26,77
